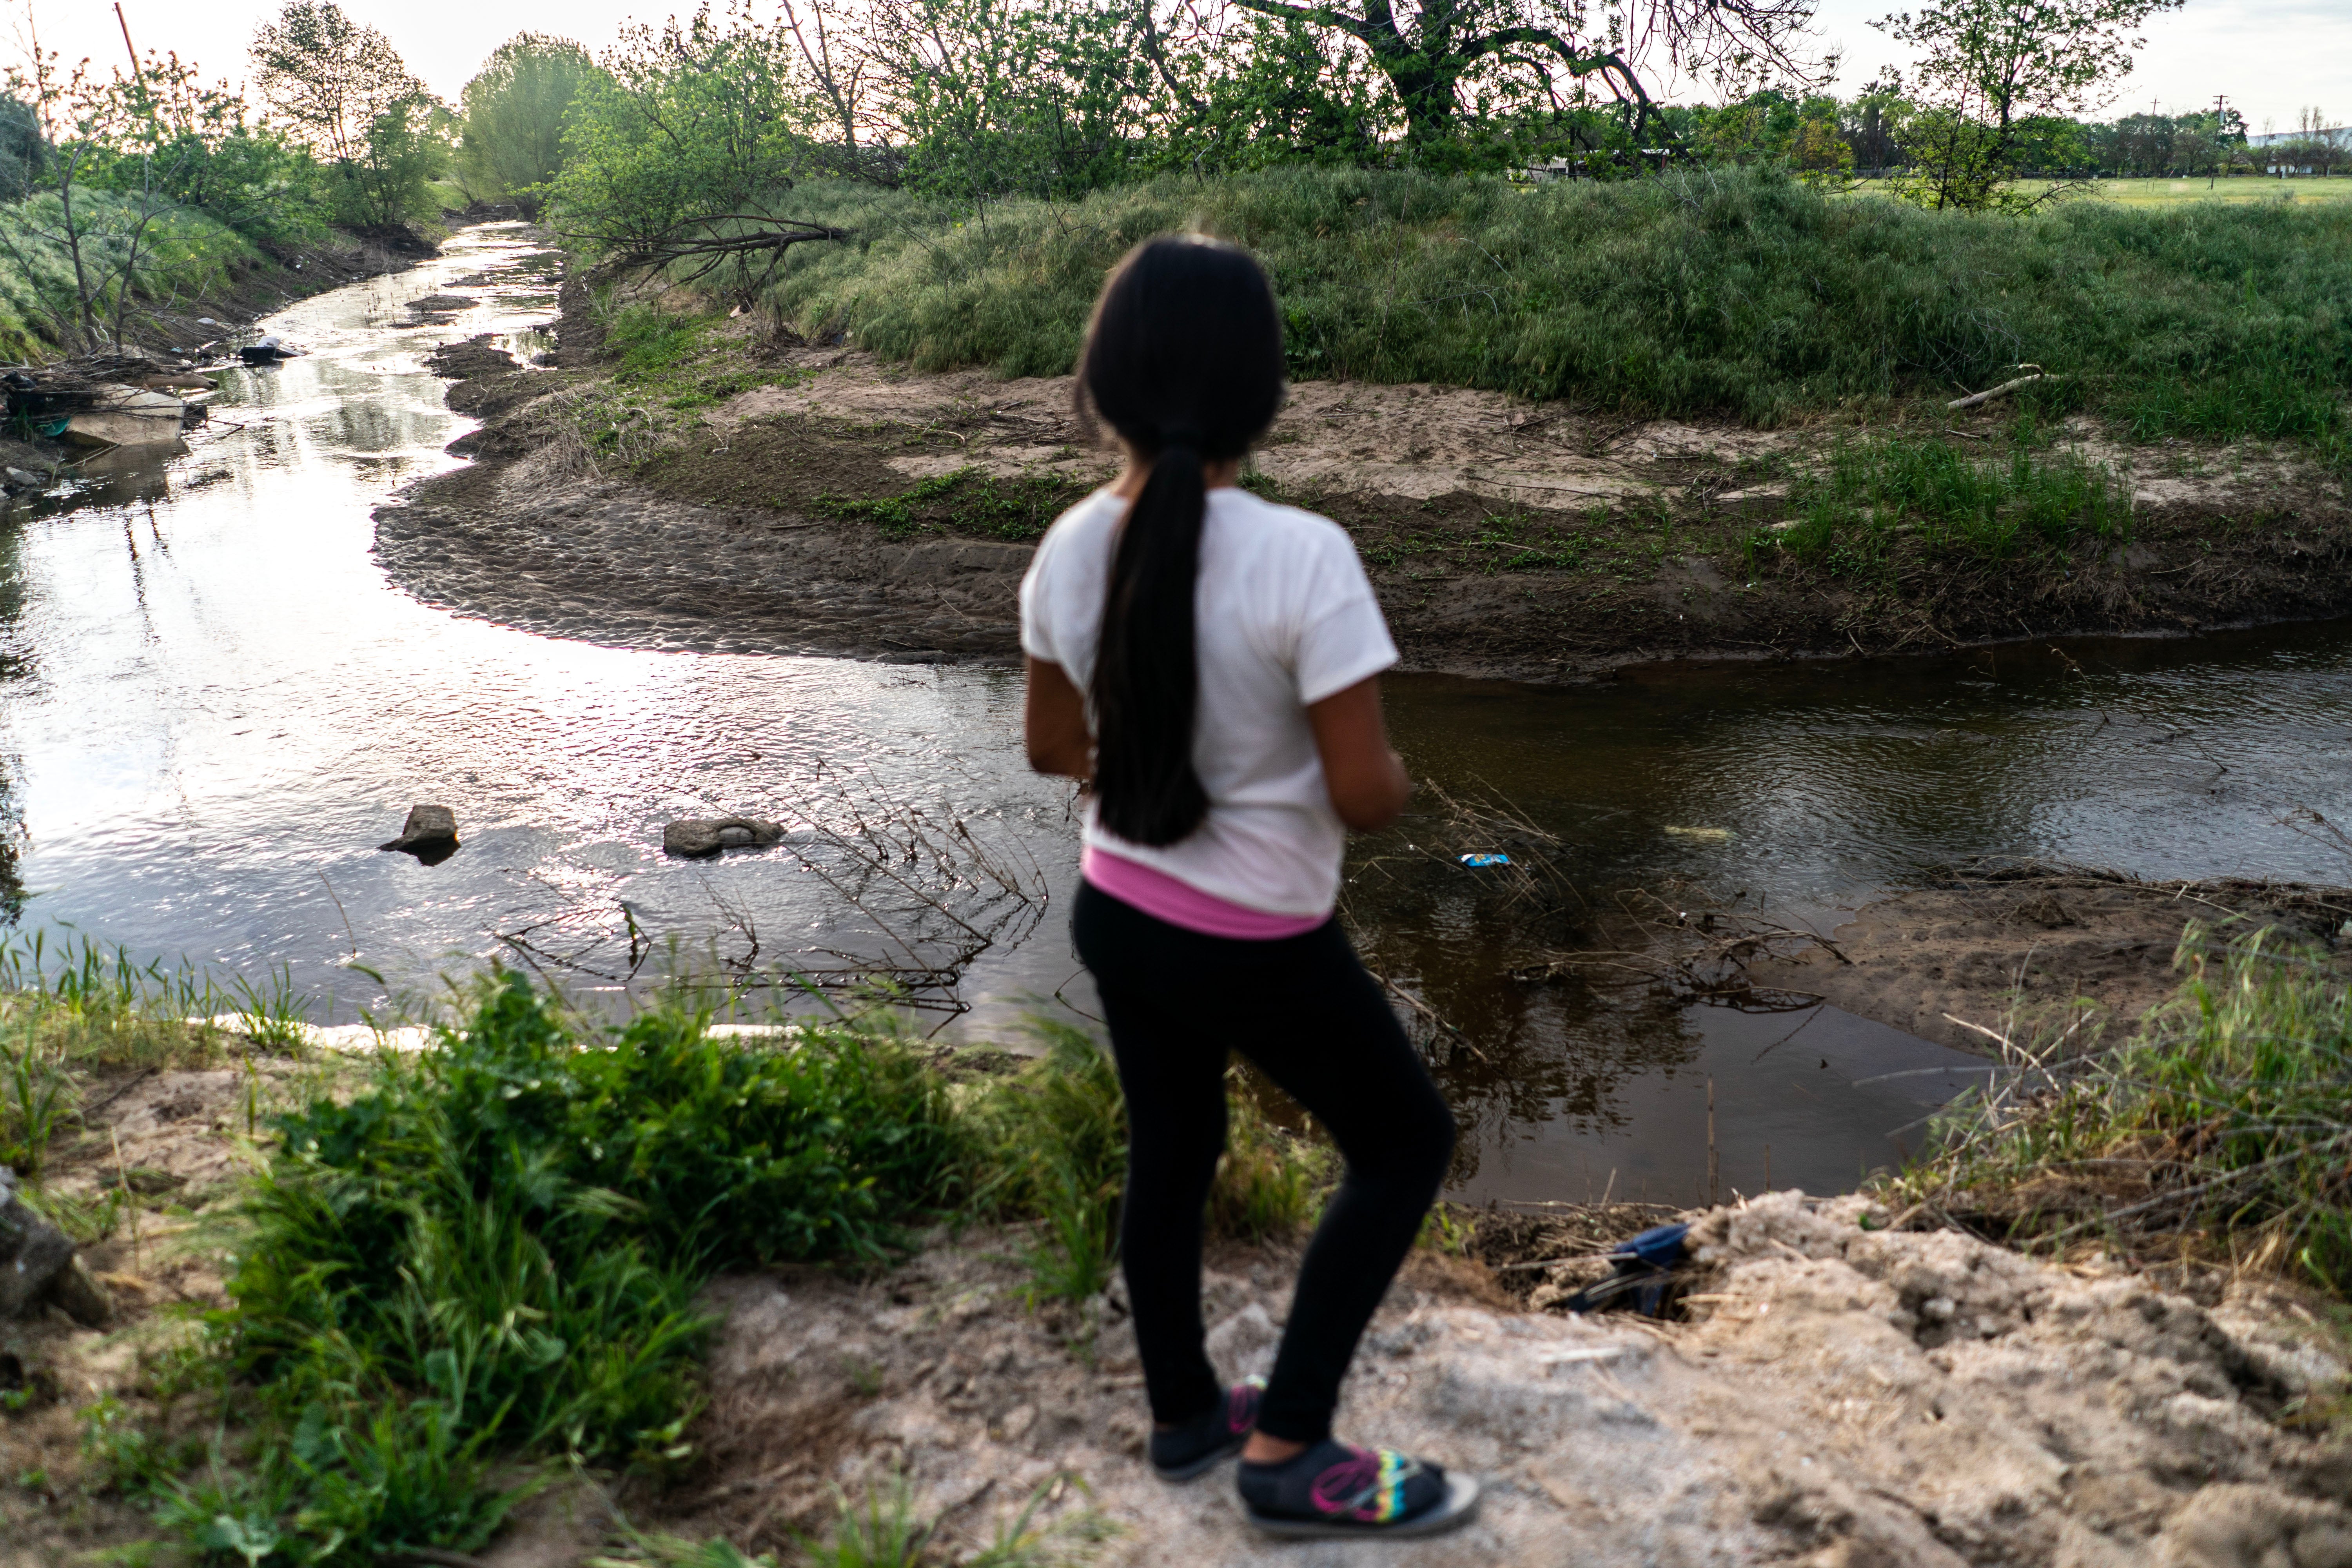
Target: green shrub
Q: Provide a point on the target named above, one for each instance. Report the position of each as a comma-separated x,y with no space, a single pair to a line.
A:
1053,1143
494,1249
1269,1182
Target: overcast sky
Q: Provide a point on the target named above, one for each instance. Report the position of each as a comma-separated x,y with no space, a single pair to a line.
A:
2271,57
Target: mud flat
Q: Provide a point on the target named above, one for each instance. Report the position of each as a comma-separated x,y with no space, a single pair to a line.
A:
853,507
2004,950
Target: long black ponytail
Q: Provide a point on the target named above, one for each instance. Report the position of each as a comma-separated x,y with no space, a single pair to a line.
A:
1184,360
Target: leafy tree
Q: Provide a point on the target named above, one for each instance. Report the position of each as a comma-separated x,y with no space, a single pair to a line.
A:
1513,53
2315,146
1996,79
102,164
192,143
514,111
327,77
1291,94
1049,98
346,93
700,121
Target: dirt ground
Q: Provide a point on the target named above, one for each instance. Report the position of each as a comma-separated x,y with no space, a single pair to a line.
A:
2008,949
857,508
1843,1393
163,1150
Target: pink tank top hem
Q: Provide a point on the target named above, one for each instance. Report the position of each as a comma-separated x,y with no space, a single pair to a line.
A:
1162,897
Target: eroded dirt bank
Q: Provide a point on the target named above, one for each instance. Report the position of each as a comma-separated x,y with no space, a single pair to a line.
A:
853,507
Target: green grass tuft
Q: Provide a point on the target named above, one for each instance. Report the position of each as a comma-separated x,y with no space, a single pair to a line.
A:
2220,1127
1872,497
967,500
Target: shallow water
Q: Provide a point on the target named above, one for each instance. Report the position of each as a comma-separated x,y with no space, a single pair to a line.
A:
215,707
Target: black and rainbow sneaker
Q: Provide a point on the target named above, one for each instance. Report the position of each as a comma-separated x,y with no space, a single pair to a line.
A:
1334,1489
1201,1445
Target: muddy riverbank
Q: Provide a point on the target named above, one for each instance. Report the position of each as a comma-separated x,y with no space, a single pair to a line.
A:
2007,951
840,505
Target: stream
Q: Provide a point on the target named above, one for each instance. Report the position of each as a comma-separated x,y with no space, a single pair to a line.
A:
214,707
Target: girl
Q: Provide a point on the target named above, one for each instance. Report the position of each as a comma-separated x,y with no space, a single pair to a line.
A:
1207,664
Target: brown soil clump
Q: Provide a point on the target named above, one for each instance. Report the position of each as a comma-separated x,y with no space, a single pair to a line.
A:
2010,948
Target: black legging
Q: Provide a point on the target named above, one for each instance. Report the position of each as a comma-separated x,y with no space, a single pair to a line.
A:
1306,1012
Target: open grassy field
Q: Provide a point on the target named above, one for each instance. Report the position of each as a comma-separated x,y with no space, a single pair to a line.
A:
2163,195
2176,193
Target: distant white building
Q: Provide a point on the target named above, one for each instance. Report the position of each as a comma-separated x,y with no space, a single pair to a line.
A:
2336,135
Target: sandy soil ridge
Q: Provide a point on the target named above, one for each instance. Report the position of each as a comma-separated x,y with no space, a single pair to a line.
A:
1505,538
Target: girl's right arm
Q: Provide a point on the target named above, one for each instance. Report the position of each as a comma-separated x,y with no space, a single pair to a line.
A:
1366,780
1054,723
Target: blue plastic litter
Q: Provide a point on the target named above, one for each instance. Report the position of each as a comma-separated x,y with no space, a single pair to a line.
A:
1646,1280
1660,1246
1480,862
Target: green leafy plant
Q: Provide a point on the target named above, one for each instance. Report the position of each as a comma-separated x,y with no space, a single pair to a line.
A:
273,1015
35,1100
1055,1143
491,1252
1269,1182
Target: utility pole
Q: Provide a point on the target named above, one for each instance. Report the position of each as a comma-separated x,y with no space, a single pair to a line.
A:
128,48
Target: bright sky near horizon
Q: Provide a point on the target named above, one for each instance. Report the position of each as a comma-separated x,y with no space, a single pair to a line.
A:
2272,58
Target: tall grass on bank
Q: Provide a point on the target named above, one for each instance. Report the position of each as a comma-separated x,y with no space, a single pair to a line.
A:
1733,291
2223,1125
184,253
1054,1148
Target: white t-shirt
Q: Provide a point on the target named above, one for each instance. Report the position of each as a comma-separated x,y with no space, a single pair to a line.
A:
1283,617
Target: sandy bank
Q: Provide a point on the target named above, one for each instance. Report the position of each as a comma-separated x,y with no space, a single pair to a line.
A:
1847,1390
854,507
